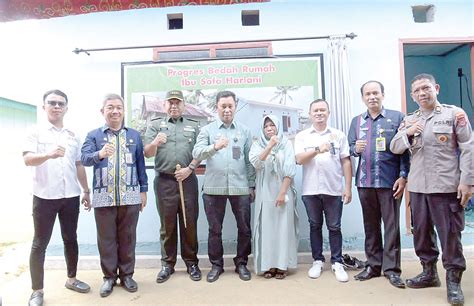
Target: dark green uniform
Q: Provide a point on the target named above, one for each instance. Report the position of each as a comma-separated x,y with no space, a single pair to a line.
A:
181,137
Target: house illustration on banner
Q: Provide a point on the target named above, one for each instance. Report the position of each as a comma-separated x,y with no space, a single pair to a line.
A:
153,107
249,112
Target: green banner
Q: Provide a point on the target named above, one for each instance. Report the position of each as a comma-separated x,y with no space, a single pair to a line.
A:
287,84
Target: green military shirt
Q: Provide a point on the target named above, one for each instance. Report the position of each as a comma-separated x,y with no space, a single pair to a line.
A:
181,137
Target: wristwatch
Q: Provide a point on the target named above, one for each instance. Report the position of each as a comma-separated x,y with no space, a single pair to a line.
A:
316,149
192,166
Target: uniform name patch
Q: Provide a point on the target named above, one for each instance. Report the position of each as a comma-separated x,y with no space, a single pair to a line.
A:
444,122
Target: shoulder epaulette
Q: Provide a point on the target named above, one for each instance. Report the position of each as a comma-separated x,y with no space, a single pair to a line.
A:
156,118
448,105
192,119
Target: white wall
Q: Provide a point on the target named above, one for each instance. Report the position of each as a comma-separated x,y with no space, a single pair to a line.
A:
37,55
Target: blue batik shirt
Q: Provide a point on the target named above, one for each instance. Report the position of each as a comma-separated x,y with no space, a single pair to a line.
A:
118,179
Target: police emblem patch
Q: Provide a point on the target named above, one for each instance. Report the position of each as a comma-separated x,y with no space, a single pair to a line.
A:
460,119
442,138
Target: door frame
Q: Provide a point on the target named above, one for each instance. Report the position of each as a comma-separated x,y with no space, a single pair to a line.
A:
429,40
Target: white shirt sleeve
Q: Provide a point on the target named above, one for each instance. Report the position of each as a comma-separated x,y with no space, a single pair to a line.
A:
79,146
344,152
31,142
299,143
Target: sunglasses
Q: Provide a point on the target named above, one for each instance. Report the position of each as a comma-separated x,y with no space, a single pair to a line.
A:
57,103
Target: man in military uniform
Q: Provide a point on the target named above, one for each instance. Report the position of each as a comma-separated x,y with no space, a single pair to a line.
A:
171,140
440,181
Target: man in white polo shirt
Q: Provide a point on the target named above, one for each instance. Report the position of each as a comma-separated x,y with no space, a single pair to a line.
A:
324,154
53,151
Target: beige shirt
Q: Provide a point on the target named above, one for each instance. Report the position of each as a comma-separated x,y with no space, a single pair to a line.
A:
442,155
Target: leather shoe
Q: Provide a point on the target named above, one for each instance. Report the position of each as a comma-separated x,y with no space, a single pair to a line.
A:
368,273
107,287
78,286
129,284
36,299
213,275
194,272
395,281
244,273
164,274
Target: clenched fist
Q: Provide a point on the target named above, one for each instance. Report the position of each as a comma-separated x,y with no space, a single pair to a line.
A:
160,139
58,152
107,151
324,147
273,141
221,143
416,129
360,145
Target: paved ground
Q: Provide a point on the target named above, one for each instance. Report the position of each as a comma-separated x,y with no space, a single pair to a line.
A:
296,289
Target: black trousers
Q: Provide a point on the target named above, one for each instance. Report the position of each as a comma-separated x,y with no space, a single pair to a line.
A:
168,202
317,206
44,216
214,206
443,211
116,239
379,205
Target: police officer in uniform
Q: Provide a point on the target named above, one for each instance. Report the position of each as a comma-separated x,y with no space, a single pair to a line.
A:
171,140
440,181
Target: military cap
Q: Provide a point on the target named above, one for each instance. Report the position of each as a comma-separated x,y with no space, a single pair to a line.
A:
175,94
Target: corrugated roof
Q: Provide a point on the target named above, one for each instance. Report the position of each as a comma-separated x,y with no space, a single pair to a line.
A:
12,104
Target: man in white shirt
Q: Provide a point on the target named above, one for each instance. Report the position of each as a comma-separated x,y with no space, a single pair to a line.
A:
324,153
53,151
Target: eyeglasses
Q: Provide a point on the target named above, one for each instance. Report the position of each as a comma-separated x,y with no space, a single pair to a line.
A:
60,104
424,89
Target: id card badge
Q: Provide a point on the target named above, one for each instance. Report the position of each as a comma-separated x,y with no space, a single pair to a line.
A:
128,158
236,152
380,144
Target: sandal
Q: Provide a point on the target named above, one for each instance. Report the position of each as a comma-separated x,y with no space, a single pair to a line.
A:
281,274
270,273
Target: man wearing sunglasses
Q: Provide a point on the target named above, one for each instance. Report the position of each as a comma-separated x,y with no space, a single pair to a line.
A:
53,151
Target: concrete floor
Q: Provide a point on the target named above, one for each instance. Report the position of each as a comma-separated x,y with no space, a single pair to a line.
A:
296,289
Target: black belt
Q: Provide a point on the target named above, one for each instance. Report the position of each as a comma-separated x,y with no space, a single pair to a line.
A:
167,175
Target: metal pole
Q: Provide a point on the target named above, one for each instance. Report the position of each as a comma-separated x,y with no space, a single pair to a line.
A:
87,51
